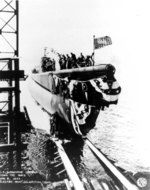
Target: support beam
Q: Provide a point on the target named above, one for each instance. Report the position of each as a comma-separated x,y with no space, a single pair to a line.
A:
69,168
4,75
7,89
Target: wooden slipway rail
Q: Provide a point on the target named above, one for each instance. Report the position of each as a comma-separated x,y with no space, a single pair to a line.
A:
125,182
75,183
69,168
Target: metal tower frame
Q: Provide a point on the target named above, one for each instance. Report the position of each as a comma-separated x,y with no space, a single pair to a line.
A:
9,32
9,16
10,72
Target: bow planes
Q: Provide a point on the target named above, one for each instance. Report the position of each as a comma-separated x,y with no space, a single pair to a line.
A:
76,95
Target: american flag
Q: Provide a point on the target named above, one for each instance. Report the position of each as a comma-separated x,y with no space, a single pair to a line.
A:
101,42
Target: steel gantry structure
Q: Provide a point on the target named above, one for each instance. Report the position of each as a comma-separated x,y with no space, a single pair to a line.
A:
9,27
10,76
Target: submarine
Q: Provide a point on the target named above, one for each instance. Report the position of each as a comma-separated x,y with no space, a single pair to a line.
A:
76,95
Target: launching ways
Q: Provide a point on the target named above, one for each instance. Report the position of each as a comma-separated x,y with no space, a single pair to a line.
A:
118,180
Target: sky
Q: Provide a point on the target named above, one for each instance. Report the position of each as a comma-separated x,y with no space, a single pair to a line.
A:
69,25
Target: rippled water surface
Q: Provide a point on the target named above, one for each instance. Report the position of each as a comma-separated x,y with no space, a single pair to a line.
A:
117,135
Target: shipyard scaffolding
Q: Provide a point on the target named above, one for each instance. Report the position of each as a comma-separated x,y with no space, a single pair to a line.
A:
12,120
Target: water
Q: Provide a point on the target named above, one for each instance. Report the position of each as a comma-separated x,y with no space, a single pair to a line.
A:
117,133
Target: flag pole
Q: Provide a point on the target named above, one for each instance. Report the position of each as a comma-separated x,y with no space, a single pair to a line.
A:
93,50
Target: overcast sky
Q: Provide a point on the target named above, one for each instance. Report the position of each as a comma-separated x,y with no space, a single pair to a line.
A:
69,25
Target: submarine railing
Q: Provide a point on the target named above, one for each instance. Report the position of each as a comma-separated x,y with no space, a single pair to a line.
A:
125,182
82,73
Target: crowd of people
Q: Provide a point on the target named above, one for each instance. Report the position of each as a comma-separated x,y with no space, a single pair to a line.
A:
48,64
71,61
65,62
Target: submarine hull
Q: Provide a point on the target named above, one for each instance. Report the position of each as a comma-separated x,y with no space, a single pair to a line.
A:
75,95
